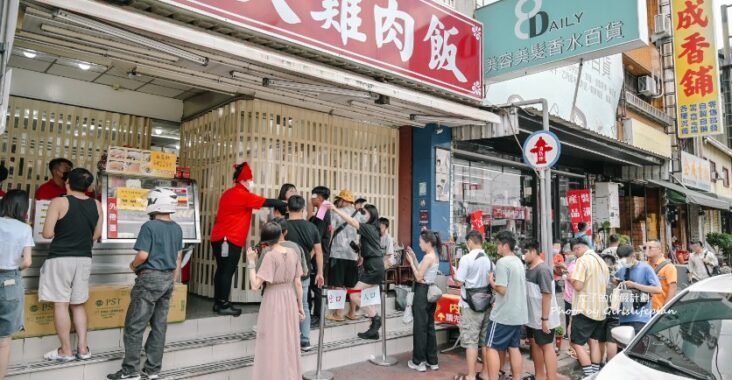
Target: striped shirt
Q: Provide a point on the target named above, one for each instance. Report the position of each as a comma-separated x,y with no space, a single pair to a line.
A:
592,271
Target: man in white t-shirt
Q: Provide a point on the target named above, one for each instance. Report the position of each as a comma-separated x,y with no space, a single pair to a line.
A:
472,272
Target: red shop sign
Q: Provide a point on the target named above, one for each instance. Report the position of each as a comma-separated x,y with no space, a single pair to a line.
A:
580,208
416,39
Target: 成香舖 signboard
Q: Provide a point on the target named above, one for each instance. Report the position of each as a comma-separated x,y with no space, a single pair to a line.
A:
529,36
419,40
697,80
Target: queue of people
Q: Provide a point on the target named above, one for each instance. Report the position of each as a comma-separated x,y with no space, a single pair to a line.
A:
350,242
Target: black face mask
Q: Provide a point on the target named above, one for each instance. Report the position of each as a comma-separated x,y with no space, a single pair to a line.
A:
65,176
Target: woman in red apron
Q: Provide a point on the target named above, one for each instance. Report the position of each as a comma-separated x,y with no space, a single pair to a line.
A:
230,231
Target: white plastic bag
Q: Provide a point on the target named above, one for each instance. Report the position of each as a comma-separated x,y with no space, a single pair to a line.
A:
408,317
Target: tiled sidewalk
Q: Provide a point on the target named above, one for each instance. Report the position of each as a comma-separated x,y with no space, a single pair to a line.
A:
451,363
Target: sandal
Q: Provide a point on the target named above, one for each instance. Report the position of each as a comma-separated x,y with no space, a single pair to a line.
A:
333,318
460,377
356,318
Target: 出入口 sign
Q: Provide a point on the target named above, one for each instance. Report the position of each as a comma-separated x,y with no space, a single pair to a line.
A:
528,36
417,39
697,83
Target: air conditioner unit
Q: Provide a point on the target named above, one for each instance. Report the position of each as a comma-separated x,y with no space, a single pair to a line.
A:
647,85
662,27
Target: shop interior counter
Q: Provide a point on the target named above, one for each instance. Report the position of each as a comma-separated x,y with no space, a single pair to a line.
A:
124,200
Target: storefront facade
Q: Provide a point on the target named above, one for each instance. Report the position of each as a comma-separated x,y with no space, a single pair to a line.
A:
304,110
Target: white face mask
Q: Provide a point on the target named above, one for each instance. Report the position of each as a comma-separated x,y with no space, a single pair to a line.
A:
625,263
555,250
250,184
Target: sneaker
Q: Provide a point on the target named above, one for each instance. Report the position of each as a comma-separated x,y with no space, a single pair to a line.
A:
434,367
421,367
150,375
56,357
121,375
85,356
306,347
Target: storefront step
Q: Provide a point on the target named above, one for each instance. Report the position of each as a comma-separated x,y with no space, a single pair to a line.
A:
336,354
29,350
212,346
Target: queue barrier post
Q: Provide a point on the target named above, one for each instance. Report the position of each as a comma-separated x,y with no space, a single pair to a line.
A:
384,360
319,373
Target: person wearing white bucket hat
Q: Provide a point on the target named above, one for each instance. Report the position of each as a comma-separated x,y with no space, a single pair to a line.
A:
159,248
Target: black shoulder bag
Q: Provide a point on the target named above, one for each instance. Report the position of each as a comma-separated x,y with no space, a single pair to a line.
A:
479,299
339,229
640,299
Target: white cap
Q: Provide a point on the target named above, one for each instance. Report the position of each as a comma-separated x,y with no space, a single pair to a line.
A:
161,200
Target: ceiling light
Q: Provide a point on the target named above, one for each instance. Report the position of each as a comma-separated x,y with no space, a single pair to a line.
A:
158,131
240,75
132,37
28,53
84,66
444,120
276,83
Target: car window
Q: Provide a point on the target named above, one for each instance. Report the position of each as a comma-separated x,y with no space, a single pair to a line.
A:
693,338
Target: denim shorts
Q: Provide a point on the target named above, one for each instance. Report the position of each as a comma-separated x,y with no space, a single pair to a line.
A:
12,297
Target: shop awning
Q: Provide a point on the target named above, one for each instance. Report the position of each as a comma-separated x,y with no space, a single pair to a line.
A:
680,195
257,58
578,144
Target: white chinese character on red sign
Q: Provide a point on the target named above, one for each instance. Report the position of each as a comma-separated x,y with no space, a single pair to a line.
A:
572,199
540,149
443,53
285,12
585,198
587,211
343,17
390,24
574,214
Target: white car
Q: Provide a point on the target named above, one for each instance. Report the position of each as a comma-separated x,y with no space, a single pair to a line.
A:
690,339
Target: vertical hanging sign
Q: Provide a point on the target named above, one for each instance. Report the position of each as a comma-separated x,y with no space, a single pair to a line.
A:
697,78
580,208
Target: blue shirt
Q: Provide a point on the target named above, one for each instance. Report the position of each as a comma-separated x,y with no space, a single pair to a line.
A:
586,238
162,240
642,274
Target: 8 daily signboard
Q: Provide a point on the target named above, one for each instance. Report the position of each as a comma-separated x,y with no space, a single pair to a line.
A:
528,36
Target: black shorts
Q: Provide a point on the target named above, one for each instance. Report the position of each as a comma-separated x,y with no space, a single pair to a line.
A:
584,329
342,273
539,336
611,322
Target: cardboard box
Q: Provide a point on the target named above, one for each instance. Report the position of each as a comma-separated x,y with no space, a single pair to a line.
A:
106,309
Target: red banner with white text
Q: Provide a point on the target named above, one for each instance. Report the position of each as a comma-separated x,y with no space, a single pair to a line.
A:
580,208
416,39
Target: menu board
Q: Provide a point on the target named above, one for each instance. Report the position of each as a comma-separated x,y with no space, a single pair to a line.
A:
138,162
39,220
124,200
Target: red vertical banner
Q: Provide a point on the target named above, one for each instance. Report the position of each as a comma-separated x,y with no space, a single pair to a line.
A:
580,208
112,218
476,221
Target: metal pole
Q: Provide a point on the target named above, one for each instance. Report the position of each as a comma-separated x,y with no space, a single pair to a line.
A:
545,180
725,35
384,360
576,92
319,374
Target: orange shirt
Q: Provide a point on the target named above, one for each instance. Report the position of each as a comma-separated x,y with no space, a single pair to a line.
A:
234,215
666,277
